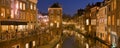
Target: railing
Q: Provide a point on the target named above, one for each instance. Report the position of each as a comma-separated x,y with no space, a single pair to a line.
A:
4,36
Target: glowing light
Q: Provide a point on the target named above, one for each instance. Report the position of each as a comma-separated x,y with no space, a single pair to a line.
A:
57,45
58,25
4,27
17,5
23,6
33,43
31,6
87,22
87,46
20,5
27,45
51,24
2,14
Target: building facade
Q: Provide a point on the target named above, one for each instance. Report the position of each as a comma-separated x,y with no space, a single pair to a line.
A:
113,21
55,19
102,23
16,17
91,20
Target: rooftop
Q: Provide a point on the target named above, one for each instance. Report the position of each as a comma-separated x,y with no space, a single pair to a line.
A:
55,5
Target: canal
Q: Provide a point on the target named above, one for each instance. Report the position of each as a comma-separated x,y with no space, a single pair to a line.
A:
70,42
79,41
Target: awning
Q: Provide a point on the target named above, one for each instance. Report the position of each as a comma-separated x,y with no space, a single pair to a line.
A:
13,23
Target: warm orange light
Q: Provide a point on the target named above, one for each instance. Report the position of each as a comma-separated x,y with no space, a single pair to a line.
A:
17,5
2,14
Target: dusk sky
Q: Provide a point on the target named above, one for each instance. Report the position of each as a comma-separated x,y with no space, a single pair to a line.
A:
69,6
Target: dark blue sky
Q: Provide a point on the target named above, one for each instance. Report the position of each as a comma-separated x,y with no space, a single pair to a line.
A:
69,6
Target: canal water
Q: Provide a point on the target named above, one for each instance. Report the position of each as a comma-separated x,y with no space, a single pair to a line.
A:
70,42
81,42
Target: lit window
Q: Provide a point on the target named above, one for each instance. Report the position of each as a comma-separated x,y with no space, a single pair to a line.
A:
51,24
20,27
4,27
2,12
8,12
51,11
34,7
17,4
33,43
114,4
87,21
23,6
89,28
118,22
113,21
109,20
12,27
31,27
20,5
27,45
31,6
93,22
90,14
58,25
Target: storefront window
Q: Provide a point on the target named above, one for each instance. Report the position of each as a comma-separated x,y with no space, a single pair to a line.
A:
4,27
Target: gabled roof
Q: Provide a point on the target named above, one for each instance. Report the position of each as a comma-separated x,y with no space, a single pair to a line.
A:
55,5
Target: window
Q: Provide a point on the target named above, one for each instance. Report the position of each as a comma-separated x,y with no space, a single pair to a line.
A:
90,14
7,2
52,11
93,22
20,27
33,43
4,27
118,22
23,6
109,20
27,45
113,20
17,4
2,12
87,21
11,27
8,11
20,5
58,25
114,4
89,28
51,24
31,27
12,14
58,11
34,7
31,6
